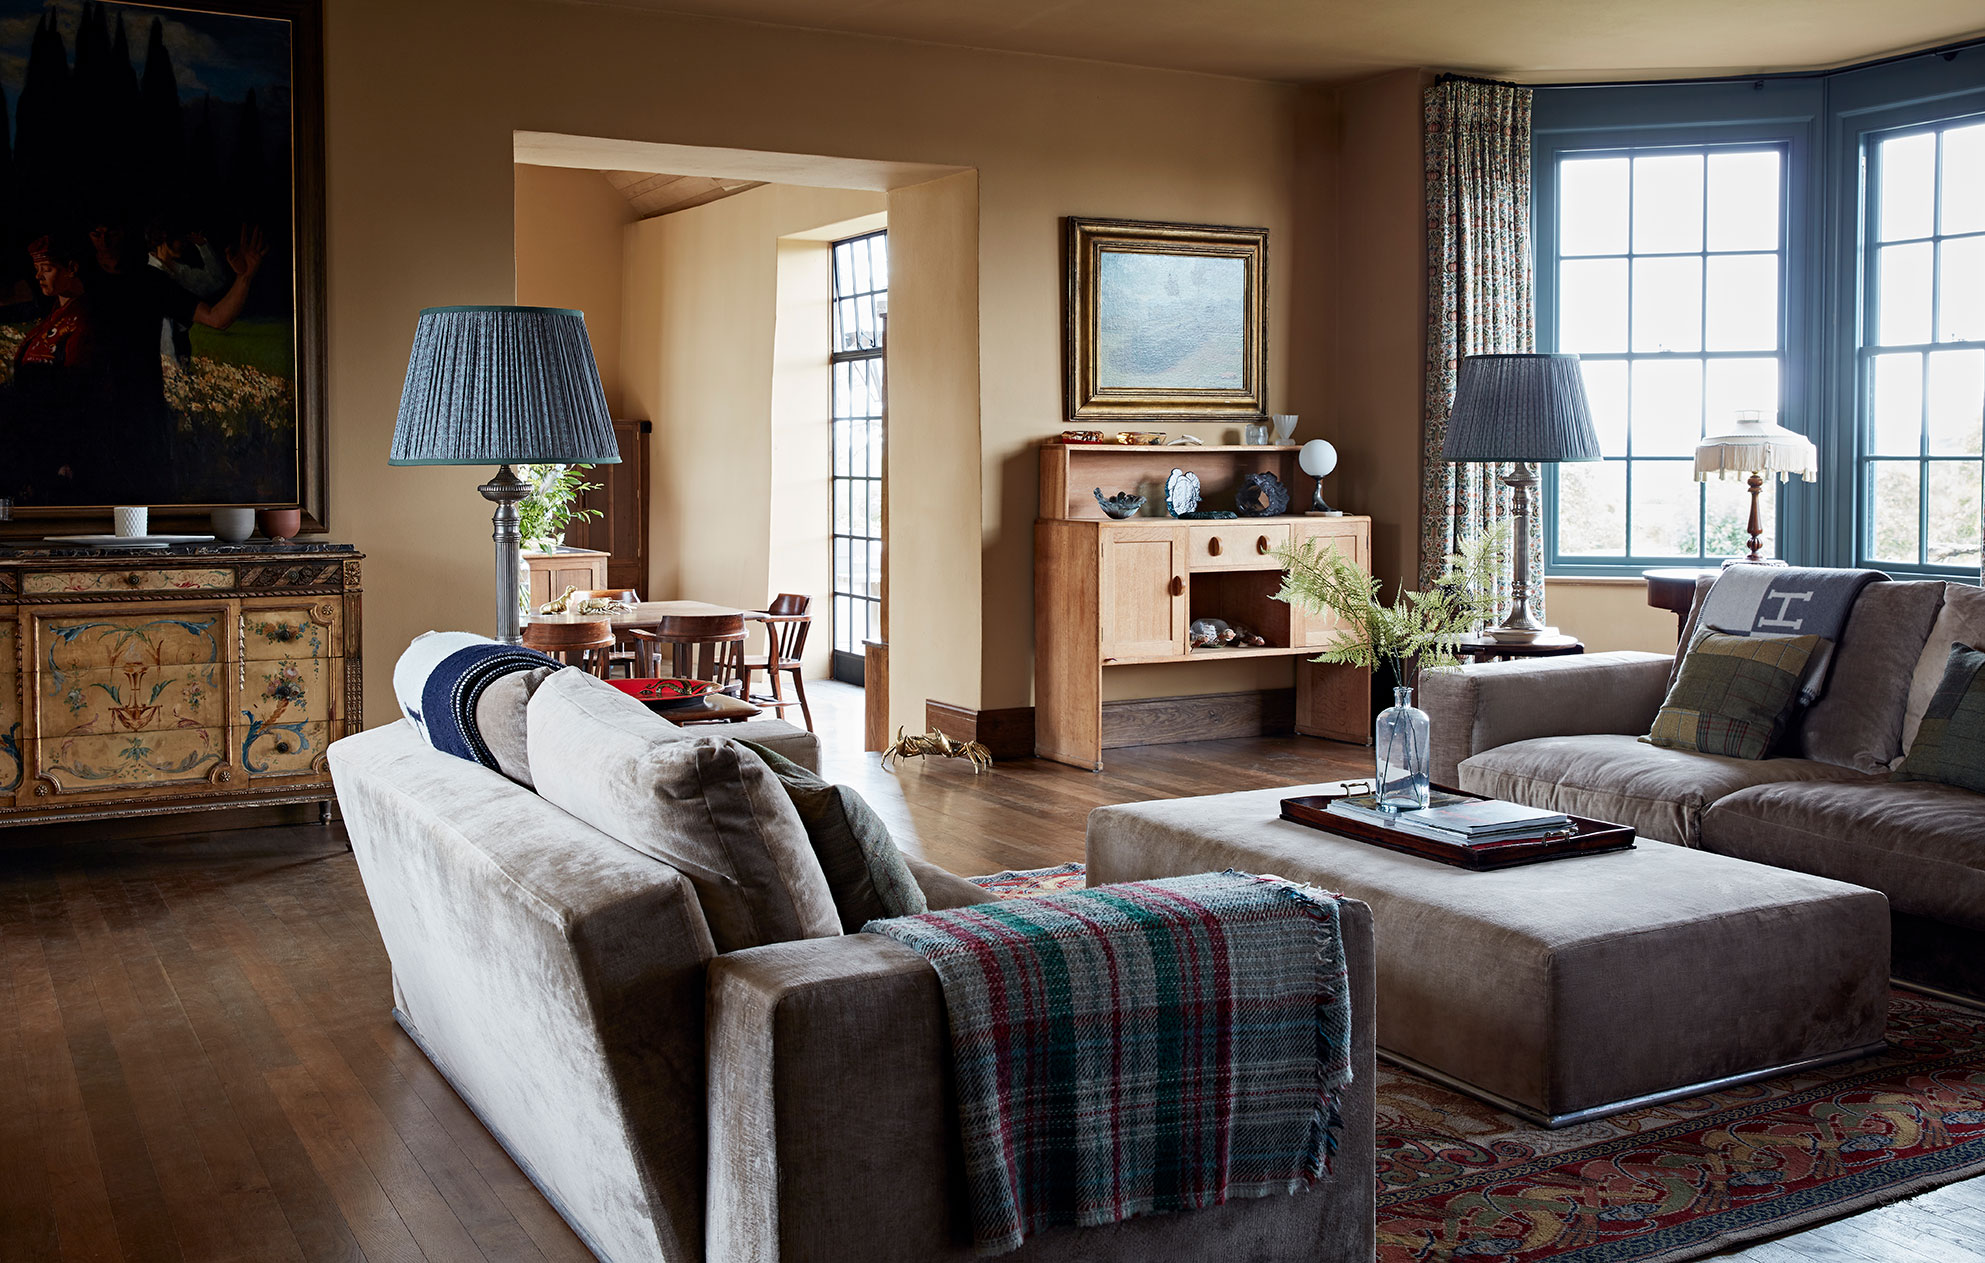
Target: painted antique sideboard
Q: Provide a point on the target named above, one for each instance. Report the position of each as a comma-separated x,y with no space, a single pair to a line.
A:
199,676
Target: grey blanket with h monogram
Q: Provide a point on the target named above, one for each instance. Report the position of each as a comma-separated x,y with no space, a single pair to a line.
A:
1787,601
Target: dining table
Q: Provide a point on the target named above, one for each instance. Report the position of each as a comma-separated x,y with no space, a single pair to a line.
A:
647,616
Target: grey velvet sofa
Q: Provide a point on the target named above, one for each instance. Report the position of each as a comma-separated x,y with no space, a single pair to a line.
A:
1561,733
783,1102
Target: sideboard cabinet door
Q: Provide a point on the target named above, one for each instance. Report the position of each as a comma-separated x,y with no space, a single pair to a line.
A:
1142,591
12,765
292,684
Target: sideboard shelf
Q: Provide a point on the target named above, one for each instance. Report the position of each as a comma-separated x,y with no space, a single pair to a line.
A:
1113,593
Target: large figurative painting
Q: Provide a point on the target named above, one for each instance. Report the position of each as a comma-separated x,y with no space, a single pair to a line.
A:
161,268
1166,320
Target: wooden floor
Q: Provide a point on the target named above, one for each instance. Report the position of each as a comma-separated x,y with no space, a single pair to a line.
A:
197,1061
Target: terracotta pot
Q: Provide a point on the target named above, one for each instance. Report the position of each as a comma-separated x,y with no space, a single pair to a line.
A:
280,525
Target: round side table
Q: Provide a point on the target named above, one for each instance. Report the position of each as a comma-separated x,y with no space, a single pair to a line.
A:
1482,649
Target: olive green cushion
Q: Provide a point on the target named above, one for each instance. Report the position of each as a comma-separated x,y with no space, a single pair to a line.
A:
1733,694
866,874
1950,742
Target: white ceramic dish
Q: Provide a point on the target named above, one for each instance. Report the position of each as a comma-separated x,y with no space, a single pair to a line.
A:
128,541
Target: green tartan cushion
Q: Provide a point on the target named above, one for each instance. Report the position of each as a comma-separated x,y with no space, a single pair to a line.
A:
1733,694
1950,746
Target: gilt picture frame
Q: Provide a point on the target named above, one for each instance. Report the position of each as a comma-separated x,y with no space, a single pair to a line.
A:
1165,321
162,264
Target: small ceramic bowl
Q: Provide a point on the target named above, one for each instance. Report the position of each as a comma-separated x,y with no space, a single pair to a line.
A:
1121,505
280,525
234,525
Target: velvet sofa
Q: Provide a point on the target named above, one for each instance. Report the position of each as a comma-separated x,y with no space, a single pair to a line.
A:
790,1101
1561,733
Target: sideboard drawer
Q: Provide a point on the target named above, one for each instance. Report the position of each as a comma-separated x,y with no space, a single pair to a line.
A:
1239,545
120,579
272,629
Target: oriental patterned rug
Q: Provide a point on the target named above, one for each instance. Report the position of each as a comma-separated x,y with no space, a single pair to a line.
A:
1461,1180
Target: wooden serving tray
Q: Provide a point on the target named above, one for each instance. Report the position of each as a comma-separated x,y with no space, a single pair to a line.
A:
1589,837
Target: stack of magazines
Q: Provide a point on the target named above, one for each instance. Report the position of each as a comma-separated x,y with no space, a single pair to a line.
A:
1459,819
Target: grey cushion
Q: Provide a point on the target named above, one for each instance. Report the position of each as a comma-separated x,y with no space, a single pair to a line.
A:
1950,742
1857,722
500,717
1961,619
1920,843
1661,793
866,873
705,805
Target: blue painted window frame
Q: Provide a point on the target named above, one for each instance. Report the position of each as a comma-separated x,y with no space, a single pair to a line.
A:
1823,123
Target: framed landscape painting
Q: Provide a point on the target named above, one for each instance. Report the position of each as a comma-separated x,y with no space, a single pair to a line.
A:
1166,321
161,260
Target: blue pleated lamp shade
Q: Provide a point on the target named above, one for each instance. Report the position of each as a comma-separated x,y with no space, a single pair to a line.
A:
1520,408
503,386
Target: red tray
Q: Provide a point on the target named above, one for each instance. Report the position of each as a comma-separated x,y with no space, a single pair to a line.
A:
1588,837
668,693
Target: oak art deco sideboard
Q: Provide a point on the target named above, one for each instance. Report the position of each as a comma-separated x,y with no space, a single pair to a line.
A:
207,675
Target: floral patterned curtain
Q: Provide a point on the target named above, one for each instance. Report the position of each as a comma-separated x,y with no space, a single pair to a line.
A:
1479,298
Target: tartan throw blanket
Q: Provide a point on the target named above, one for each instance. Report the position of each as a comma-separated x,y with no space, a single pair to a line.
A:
1140,1048
1786,601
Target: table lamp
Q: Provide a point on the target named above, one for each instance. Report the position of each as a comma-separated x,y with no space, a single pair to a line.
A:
1521,409
503,386
1759,448
1317,459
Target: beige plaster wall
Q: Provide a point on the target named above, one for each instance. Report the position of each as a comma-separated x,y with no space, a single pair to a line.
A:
421,105
568,226
701,290
1608,614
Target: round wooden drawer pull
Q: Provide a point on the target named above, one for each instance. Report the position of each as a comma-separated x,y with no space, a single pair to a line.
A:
134,578
1261,545
1178,586
1213,545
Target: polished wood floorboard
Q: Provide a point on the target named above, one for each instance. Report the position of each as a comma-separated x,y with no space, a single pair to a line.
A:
197,1060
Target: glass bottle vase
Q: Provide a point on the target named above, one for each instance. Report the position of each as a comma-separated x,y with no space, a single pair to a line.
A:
1400,743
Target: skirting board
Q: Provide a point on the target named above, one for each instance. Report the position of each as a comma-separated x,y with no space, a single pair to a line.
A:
1006,734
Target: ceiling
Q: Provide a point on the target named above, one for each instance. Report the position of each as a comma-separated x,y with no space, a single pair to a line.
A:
1534,41
652,193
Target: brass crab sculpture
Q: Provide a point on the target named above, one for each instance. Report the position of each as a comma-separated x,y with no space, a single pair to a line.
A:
935,742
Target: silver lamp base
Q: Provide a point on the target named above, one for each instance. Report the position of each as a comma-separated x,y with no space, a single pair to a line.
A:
507,490
1521,625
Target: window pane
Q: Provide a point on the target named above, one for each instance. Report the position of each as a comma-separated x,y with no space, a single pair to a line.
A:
1666,504
1957,403
879,261
1908,186
1898,391
1592,206
1733,386
1902,294
844,268
1667,203
1667,411
1894,504
875,569
1606,392
1740,303
1592,305
1667,304
1743,201
1964,179
1961,291
1592,509
1727,517
1954,494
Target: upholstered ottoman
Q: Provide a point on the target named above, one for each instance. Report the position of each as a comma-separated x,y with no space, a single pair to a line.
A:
1570,989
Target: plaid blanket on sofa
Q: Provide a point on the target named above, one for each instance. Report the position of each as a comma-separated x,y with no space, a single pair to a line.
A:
1138,1048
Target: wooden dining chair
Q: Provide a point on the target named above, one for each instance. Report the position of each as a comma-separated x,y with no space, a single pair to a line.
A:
694,646
786,625
584,643
623,654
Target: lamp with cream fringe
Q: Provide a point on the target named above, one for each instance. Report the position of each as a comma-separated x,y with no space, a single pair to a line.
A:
1758,448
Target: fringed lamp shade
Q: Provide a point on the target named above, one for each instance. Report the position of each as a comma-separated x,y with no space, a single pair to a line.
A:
503,386
1756,446
1520,408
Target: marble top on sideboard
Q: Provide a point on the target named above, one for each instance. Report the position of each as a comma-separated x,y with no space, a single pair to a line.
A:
32,550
